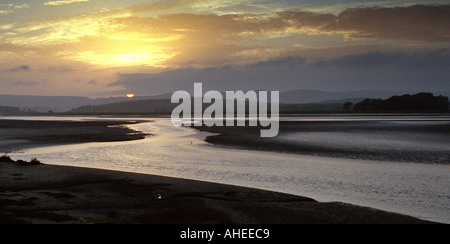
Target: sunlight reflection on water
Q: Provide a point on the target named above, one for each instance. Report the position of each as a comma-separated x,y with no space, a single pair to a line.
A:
419,190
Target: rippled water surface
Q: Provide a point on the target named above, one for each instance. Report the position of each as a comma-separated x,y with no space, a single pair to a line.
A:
420,190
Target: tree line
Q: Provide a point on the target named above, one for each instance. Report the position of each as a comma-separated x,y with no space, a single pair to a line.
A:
422,102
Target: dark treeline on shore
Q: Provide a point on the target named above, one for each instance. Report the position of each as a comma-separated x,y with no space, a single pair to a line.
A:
422,102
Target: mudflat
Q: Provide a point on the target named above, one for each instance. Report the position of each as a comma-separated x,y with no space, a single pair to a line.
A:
16,135
347,139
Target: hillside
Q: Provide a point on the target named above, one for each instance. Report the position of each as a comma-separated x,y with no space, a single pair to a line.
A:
62,103
423,102
165,107
310,100
130,107
10,111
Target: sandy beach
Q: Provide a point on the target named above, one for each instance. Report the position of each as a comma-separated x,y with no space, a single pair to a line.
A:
44,194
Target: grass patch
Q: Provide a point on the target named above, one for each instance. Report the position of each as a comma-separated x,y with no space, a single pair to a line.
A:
7,159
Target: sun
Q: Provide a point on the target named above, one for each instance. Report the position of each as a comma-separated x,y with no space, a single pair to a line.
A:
130,95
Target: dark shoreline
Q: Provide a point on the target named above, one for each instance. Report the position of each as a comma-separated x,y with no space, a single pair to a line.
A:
19,135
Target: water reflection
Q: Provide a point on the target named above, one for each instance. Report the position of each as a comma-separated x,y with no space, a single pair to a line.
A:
415,189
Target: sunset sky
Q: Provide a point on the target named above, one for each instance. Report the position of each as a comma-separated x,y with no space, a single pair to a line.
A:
148,47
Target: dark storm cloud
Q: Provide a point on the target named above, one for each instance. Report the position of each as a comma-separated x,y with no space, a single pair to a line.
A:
420,23
370,71
281,62
438,59
425,23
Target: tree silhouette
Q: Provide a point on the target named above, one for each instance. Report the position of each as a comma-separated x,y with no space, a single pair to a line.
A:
348,106
422,102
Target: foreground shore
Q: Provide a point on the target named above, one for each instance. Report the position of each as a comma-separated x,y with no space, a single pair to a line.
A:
56,194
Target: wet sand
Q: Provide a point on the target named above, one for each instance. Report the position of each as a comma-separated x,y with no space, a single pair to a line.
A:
17,135
390,135
59,194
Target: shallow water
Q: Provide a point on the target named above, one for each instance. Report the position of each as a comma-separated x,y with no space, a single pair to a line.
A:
420,190
378,140
403,146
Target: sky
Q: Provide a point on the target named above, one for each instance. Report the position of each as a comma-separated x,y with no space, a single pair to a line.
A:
102,48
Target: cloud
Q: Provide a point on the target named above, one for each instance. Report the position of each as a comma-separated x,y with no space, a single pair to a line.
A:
439,59
5,12
212,39
256,48
62,2
290,61
370,71
20,68
53,32
204,33
25,83
418,23
20,6
424,23
136,36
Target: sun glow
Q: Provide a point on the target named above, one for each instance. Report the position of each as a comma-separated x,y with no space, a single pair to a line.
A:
145,58
130,95
122,50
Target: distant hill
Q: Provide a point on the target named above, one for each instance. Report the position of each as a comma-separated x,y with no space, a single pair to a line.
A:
43,103
68,103
109,100
164,106
315,96
8,111
129,107
61,103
